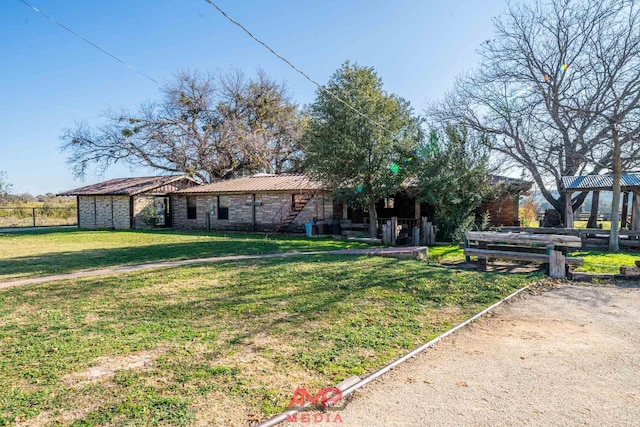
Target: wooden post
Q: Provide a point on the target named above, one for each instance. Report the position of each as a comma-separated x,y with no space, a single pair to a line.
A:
482,261
556,263
423,231
416,210
394,230
595,202
635,212
568,223
416,236
345,211
625,210
386,237
466,245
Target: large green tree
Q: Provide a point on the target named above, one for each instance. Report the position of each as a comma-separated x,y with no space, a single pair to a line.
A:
453,176
360,154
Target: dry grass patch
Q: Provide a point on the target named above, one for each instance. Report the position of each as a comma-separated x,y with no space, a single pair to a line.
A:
107,367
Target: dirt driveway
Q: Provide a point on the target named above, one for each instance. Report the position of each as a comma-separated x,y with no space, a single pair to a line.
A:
569,356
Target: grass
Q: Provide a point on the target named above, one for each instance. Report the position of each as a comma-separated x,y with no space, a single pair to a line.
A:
45,252
223,344
606,225
446,253
605,262
594,261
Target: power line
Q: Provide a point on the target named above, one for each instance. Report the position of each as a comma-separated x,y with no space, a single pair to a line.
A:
290,64
55,21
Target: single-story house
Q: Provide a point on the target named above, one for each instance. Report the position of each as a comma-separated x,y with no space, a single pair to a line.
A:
267,202
262,202
126,203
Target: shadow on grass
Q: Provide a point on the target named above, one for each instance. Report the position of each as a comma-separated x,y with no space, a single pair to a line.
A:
295,291
220,245
340,315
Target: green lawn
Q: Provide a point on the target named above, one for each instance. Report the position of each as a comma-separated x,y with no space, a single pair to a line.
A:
40,253
605,262
446,253
594,261
606,225
223,344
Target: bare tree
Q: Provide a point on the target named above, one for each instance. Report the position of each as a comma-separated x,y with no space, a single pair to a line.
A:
5,186
547,86
210,127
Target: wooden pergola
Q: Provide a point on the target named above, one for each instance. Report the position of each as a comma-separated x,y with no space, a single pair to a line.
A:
630,186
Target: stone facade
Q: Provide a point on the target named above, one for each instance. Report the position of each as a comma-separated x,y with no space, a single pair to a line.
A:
110,212
270,208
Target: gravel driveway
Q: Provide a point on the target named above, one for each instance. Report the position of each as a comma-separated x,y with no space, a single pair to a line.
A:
569,356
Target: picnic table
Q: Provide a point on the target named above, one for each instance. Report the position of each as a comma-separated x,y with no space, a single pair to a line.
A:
550,249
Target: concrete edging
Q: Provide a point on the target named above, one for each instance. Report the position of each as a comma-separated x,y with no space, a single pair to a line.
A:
362,382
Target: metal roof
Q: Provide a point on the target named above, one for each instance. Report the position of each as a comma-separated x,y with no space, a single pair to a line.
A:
599,182
258,183
124,186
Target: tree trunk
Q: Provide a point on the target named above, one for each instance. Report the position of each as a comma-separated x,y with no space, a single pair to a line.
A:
593,218
615,203
373,218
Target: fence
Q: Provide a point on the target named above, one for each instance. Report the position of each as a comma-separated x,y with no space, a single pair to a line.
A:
44,216
408,223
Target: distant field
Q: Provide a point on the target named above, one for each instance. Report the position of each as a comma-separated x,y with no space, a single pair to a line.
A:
44,216
40,253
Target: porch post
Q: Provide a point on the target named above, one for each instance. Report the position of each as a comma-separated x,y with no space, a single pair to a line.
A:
417,211
625,210
593,218
568,211
635,212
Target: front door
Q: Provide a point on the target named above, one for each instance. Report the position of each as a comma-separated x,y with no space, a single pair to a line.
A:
163,211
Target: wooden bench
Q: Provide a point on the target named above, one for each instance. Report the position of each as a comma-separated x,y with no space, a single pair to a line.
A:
550,249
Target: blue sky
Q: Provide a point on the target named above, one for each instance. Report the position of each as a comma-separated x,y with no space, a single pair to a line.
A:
49,79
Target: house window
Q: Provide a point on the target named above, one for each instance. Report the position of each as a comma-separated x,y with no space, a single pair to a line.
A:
389,203
191,208
223,207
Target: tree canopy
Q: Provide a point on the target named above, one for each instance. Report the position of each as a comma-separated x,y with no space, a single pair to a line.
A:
552,81
210,127
361,157
453,175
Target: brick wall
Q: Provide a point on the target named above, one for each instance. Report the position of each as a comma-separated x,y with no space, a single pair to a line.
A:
103,212
240,211
179,212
